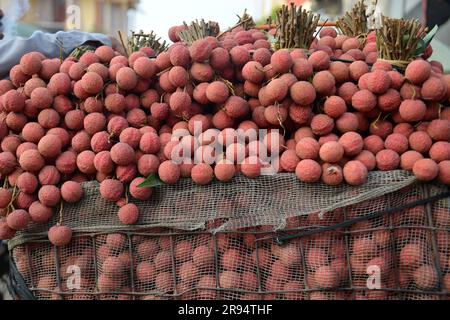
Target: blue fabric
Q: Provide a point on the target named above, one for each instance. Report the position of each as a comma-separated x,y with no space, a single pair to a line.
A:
12,49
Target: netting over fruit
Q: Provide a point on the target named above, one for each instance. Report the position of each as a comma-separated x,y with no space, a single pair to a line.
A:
228,249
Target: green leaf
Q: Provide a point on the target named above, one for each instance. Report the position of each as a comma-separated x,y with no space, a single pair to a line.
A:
421,47
151,182
425,42
430,36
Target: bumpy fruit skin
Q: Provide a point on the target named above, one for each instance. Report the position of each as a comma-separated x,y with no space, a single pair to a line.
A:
439,130
444,172
129,214
332,152
18,220
31,160
111,190
40,213
303,93
5,198
60,236
123,154
379,82
138,193
413,110
6,232
224,170
418,72
71,192
49,196
8,162
387,160
169,172
308,171
353,143
364,101
426,170
355,173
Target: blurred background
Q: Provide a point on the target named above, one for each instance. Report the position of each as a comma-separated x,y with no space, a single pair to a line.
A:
22,17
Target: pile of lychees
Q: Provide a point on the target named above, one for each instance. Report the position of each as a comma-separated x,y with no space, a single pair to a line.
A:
334,113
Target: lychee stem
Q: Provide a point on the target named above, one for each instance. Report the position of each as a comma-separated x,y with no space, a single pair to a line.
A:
127,200
377,120
61,210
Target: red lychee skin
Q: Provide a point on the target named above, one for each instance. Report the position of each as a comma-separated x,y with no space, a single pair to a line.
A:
289,160
346,92
418,72
355,173
5,198
49,175
239,56
303,93
332,174
439,130
8,163
426,277
32,84
236,107
364,101
387,160
324,83
390,101
224,170
357,69
254,72
126,78
145,68
60,236
397,142
13,101
308,148
331,152
31,63
202,174
426,170
408,159
368,159
111,190
49,196
302,69
18,220
139,193
123,154
340,71
71,192
412,110
40,213
169,172
105,54
353,143
434,89
308,171
27,183
440,151
378,82
129,214
335,107
320,60
32,161
420,142
444,172
6,232
281,61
